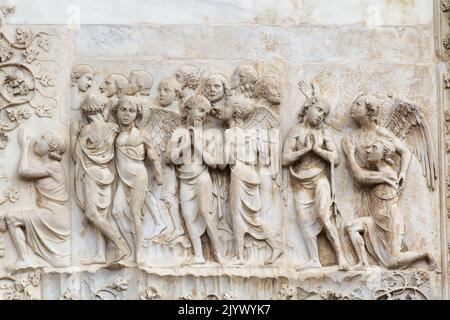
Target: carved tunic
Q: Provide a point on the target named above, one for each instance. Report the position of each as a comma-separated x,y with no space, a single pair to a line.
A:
310,185
245,196
47,227
94,173
384,220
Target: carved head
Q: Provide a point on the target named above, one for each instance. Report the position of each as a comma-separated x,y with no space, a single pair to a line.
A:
83,76
196,108
126,112
92,105
269,89
241,107
381,150
188,77
216,87
314,111
49,144
140,82
114,85
244,78
169,90
366,107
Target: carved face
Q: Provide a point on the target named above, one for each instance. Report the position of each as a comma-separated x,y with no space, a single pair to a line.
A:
108,87
40,146
358,111
85,82
375,152
214,89
273,92
317,113
126,113
133,85
236,79
198,113
166,94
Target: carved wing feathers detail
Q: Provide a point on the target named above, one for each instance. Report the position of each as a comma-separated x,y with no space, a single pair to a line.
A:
408,123
261,118
159,127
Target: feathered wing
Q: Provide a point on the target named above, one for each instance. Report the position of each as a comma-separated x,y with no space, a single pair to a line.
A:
269,138
157,127
408,123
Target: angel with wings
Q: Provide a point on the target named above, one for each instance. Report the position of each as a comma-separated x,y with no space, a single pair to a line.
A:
249,127
311,154
157,125
371,152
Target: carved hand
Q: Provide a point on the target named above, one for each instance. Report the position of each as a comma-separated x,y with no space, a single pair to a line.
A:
23,139
349,146
389,178
310,141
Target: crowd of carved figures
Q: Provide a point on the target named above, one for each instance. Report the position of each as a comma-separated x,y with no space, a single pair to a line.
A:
209,150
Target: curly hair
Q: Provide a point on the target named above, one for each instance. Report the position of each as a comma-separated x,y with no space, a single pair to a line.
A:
190,77
261,86
127,100
247,78
121,83
193,101
388,150
225,84
92,104
79,71
372,104
56,146
308,104
173,83
144,81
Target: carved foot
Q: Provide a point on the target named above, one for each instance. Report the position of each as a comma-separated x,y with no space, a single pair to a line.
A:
312,264
97,259
359,267
432,265
120,254
276,253
156,232
238,261
344,265
19,264
173,236
195,261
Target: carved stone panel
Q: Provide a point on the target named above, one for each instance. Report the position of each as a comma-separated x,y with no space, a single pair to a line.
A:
275,150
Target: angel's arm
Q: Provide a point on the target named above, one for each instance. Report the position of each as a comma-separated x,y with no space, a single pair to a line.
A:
75,129
290,154
361,175
330,154
402,149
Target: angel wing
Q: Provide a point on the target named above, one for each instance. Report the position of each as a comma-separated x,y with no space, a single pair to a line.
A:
408,123
157,126
269,139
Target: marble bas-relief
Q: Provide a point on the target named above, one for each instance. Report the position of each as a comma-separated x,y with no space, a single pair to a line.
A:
139,168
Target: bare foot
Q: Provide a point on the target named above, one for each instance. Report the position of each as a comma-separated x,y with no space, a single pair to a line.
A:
120,254
237,261
97,259
359,267
19,264
156,232
171,237
194,261
431,262
344,265
276,253
312,264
